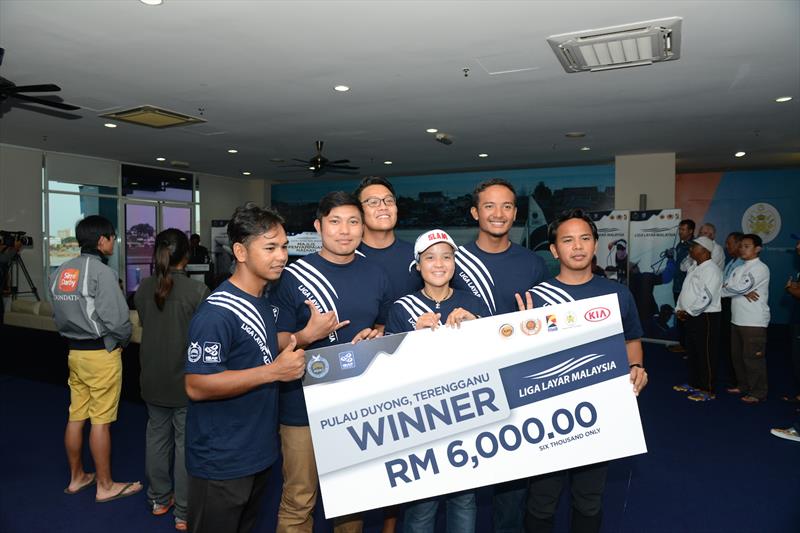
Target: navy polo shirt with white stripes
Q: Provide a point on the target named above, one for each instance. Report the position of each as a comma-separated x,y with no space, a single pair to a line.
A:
404,312
234,437
553,292
357,291
497,277
397,260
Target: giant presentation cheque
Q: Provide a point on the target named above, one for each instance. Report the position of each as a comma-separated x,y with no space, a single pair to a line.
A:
408,416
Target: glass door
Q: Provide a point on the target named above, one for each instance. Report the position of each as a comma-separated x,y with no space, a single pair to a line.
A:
141,228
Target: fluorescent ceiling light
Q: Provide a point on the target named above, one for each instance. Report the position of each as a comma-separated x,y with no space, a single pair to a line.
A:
740,154
110,125
432,130
483,155
341,88
245,173
387,162
628,45
161,158
233,151
783,99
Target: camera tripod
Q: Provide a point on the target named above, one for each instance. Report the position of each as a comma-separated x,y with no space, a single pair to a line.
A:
17,265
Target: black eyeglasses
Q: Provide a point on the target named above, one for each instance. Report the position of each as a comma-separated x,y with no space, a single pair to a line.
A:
388,201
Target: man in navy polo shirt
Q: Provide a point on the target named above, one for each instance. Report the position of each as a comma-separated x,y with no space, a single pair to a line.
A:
338,283
495,269
379,243
573,241
232,374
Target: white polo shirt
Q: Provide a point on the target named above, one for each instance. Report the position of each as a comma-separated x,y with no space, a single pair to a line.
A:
752,275
701,289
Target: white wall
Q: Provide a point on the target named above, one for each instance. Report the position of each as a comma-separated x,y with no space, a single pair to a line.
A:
650,174
21,205
220,196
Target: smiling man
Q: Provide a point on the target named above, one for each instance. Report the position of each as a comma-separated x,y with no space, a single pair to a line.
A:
573,241
379,242
496,270
232,372
348,296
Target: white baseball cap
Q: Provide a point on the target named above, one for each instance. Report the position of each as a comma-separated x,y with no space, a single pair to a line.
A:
705,242
429,238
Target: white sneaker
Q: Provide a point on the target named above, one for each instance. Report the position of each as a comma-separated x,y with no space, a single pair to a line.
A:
788,433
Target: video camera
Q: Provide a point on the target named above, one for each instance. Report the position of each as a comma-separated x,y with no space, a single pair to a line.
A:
8,238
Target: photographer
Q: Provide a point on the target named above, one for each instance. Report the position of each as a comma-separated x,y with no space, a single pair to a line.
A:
8,250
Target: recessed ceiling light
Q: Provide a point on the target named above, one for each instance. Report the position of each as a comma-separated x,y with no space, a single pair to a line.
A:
245,173
483,155
783,99
387,162
110,125
134,183
341,88
432,130
152,2
740,154
233,151
161,158
575,134
183,179
585,148
312,168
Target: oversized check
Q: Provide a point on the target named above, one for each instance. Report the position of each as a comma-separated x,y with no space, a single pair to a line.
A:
408,416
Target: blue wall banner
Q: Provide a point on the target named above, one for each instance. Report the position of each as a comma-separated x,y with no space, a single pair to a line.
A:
414,415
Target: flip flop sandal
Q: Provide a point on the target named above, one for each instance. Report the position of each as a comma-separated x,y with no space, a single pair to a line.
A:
701,396
82,487
124,493
750,399
685,387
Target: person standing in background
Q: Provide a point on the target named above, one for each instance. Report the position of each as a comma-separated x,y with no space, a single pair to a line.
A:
732,248
748,285
707,229
166,303
90,311
682,260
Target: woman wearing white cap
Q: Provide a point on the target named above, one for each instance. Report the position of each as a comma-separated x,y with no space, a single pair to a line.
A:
437,304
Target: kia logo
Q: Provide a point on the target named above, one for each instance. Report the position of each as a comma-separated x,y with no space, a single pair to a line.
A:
597,314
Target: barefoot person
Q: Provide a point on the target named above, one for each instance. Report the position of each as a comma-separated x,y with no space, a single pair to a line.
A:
90,311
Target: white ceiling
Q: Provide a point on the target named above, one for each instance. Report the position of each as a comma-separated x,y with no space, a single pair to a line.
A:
264,74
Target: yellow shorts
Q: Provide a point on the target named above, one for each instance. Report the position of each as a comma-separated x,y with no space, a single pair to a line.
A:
95,382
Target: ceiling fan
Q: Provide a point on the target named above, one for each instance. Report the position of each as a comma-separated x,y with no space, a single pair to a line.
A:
8,89
320,165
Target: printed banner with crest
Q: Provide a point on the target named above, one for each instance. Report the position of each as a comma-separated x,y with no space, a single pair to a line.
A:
409,416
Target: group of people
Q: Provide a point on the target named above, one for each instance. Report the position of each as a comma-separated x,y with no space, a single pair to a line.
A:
722,308
221,371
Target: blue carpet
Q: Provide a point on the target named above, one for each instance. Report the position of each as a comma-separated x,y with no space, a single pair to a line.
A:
711,467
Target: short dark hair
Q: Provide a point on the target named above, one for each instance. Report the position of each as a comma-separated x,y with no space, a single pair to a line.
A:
687,222
194,236
737,236
89,230
250,220
337,199
753,237
569,214
372,180
482,186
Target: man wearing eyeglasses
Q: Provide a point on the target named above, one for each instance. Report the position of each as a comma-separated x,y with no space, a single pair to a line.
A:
379,244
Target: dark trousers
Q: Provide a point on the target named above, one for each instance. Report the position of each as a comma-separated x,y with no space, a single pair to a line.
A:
702,337
795,328
587,484
748,351
508,506
725,361
225,506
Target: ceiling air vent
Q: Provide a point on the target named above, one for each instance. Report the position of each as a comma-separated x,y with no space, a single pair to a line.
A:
155,117
628,45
